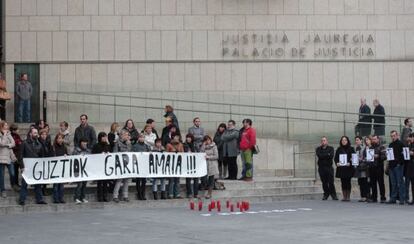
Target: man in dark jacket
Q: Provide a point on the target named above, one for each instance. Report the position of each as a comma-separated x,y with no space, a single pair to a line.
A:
376,171
364,120
396,172
31,148
325,154
84,130
379,118
230,140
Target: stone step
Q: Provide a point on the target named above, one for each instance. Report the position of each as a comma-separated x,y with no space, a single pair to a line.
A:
183,203
91,195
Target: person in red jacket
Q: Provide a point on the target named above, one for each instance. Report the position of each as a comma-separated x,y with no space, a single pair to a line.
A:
247,145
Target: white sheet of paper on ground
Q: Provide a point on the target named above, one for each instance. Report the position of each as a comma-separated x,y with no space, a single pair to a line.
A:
406,153
355,159
206,215
252,212
265,211
343,159
305,209
390,154
224,214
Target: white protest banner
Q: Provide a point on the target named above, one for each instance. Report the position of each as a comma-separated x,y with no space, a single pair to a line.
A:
343,159
355,159
390,154
113,166
406,153
370,155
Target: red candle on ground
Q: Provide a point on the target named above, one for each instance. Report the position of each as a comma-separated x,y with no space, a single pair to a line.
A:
231,208
227,204
218,208
213,204
200,206
218,204
192,205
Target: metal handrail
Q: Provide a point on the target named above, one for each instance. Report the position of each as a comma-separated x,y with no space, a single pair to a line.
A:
218,112
226,104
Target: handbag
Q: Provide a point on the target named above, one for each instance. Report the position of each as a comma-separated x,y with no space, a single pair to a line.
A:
256,149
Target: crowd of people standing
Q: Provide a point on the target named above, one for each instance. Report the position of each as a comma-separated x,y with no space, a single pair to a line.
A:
221,152
369,160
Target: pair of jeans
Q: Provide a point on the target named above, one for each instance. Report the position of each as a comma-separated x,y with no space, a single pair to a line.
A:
397,183
155,184
118,183
80,190
232,167
192,189
24,111
58,192
174,187
140,186
10,168
210,182
247,162
23,192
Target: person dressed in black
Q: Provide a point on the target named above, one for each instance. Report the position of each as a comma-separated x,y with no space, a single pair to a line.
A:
378,118
376,171
102,146
409,171
59,149
47,150
140,183
219,143
84,131
364,120
344,168
192,189
325,154
133,132
31,148
169,113
396,169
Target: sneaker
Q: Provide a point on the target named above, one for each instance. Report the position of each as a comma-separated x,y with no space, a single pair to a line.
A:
3,194
78,201
85,201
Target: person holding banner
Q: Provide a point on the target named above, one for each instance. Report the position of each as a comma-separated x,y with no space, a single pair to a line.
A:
59,149
123,145
396,169
376,171
140,146
366,161
31,148
81,186
174,183
325,154
158,148
344,169
102,146
192,189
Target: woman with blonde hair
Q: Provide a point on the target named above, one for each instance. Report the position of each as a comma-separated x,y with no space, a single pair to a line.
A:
7,156
113,135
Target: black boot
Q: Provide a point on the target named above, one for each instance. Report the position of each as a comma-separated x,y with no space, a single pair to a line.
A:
163,197
155,195
139,197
